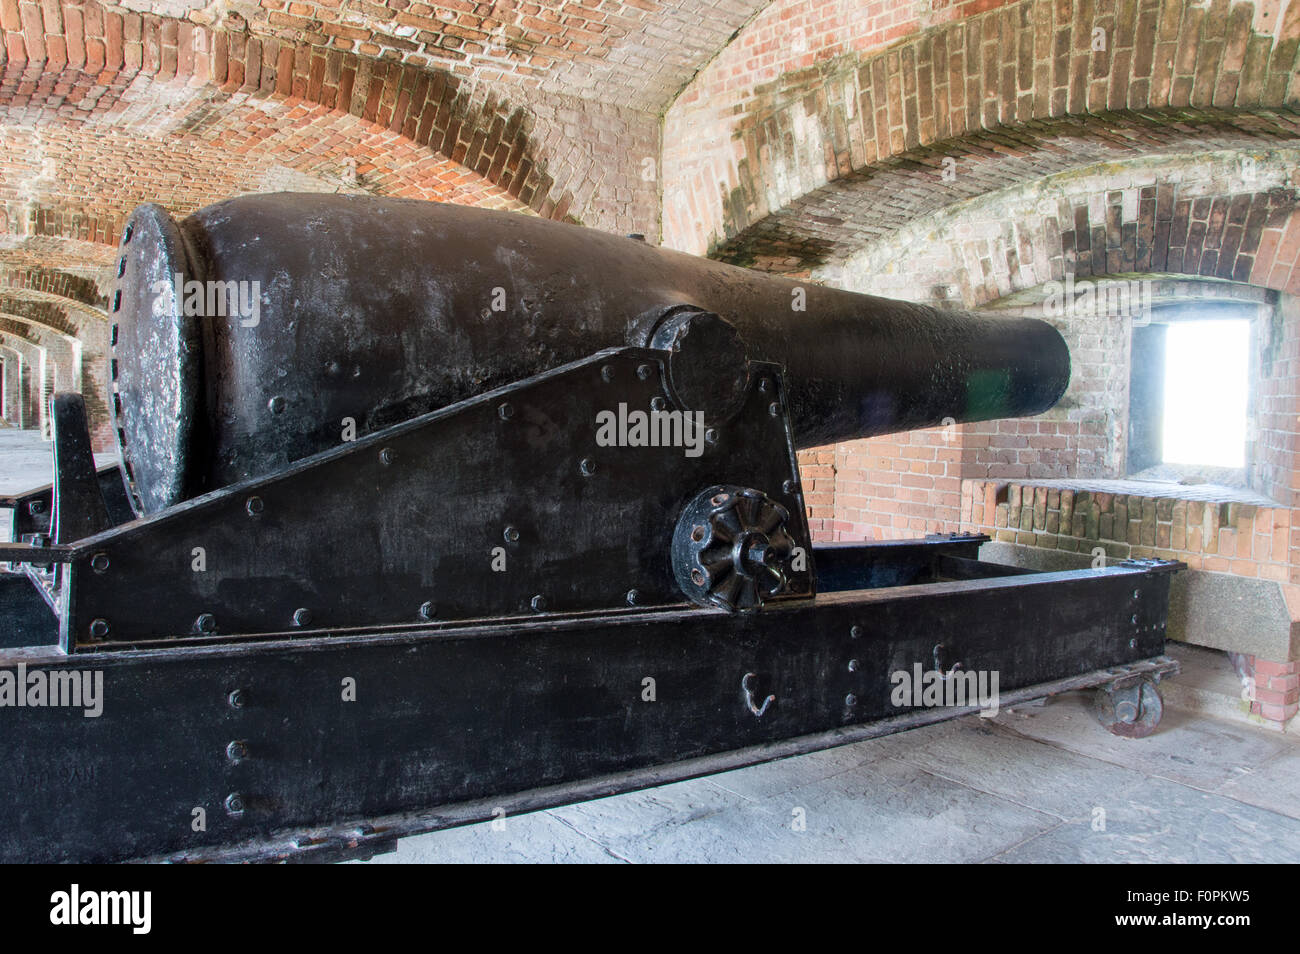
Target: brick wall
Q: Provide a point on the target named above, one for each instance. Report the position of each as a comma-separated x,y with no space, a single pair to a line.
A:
86,62
1273,687
47,309
1206,533
755,130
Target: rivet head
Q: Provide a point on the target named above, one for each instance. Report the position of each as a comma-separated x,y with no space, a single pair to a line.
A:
1133,619
234,804
511,535
386,456
505,410
643,371
633,597
607,373
276,404
428,610
850,700
99,562
765,385
206,623
538,603
855,632
711,435
302,616
587,466
236,698
790,486
98,628
1133,643
774,409
657,403
36,507
254,506
236,751
853,665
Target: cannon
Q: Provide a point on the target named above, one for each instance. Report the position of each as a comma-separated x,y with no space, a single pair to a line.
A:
427,513
380,310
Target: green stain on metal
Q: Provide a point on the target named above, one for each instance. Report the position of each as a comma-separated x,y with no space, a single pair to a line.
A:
986,394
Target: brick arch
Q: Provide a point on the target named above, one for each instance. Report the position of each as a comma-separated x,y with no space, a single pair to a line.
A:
61,361
25,328
1228,215
68,302
19,343
58,284
818,231
23,404
88,59
82,180
740,144
65,364
14,403
73,256
56,323
45,313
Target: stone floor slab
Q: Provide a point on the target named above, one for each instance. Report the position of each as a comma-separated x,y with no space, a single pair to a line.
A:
1163,821
538,838
988,756
1202,752
1274,785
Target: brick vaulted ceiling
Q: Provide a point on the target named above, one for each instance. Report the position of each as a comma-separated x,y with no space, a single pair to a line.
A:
528,99
558,106
635,53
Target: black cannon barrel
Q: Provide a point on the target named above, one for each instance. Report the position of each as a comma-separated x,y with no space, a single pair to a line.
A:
248,333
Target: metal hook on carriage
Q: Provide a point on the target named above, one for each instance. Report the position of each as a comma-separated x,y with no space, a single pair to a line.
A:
944,672
746,684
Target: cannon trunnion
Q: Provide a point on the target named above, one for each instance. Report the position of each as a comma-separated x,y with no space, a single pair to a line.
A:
445,512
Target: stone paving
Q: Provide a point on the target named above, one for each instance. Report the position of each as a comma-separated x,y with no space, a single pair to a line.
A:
25,460
1040,784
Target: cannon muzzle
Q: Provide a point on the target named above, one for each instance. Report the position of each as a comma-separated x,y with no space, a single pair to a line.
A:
259,330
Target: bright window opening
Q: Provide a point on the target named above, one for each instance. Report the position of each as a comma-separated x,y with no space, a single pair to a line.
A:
1207,366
